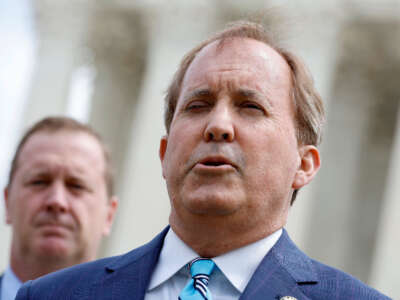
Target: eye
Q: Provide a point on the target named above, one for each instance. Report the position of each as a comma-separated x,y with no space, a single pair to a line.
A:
39,182
197,105
252,106
75,186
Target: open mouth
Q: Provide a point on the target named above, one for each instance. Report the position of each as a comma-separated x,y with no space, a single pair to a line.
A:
216,162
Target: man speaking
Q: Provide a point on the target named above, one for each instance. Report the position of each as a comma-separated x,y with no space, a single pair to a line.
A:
243,123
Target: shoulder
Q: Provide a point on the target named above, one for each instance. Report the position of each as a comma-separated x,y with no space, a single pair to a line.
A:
62,282
334,282
80,281
318,280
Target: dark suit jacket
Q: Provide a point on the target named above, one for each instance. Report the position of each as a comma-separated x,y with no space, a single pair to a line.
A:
285,271
1,280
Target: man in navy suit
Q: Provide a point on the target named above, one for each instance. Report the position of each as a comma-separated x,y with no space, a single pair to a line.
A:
243,123
59,200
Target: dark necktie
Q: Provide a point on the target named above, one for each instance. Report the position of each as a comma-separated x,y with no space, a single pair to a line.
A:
196,289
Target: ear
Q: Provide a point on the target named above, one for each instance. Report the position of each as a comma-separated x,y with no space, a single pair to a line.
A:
7,205
111,209
309,165
162,151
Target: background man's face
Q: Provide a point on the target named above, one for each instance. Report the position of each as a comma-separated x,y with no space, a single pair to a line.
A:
232,149
57,202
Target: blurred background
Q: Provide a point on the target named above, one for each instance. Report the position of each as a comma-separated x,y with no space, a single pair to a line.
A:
108,63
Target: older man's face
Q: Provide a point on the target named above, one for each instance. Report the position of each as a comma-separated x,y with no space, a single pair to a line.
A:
232,151
57,203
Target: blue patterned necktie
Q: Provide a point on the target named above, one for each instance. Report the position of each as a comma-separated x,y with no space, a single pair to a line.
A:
196,289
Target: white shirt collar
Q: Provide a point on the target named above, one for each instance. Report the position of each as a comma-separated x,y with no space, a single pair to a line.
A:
175,254
10,285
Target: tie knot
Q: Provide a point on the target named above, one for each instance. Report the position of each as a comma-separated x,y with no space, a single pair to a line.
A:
196,289
201,266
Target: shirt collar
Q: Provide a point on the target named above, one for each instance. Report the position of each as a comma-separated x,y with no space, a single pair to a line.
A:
9,285
239,274
175,254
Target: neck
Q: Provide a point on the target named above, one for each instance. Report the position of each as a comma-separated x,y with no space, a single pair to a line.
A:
210,237
27,267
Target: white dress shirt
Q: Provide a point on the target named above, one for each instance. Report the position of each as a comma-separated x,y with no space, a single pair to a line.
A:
230,277
10,285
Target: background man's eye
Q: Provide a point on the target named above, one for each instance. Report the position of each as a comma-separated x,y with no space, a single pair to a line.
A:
75,186
38,182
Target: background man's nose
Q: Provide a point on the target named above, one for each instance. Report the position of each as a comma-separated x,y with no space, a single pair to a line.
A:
57,200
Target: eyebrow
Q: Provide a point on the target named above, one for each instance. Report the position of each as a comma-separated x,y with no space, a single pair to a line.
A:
37,171
240,93
254,95
200,93
245,93
27,176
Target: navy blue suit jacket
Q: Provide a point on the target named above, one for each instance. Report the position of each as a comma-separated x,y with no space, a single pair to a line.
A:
284,271
1,279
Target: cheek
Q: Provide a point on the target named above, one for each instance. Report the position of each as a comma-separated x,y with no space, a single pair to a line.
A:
271,157
26,210
179,149
89,213
81,211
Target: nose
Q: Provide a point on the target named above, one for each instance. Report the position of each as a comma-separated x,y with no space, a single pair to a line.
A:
220,127
57,200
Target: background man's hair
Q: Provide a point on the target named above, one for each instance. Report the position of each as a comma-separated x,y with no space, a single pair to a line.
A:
309,109
58,124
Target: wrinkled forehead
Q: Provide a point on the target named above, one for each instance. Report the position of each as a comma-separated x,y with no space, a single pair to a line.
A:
242,54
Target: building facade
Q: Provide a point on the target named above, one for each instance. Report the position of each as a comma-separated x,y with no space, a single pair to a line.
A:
109,63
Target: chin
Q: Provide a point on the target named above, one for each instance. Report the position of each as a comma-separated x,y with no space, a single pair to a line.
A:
212,204
54,249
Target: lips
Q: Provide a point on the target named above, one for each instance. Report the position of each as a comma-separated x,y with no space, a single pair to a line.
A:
54,230
57,229
216,161
49,221
51,224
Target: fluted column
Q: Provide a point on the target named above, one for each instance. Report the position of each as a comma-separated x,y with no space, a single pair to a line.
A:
386,260
17,58
61,27
144,206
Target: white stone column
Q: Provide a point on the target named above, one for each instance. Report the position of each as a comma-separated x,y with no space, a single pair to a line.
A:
144,203
17,58
386,262
61,27
314,39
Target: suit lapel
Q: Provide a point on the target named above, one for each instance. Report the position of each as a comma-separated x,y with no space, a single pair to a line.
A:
128,276
280,273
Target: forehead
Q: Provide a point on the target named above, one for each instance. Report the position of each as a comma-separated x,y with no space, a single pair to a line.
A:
255,62
72,150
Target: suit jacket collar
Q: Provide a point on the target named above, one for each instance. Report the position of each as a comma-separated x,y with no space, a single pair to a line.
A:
128,276
282,272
